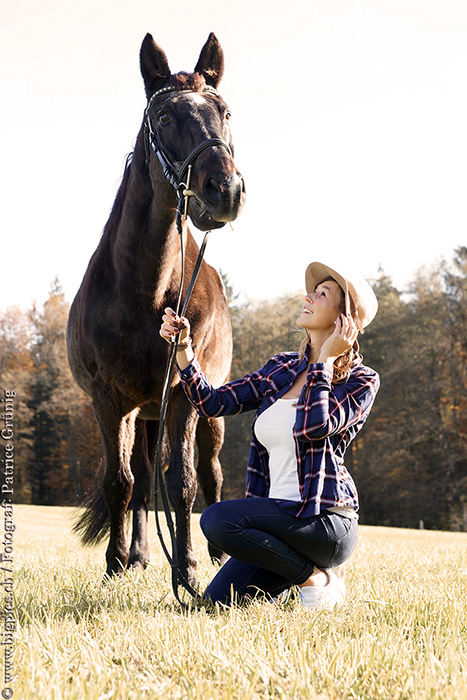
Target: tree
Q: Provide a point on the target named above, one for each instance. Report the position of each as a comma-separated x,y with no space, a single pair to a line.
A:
66,440
260,330
455,279
16,372
409,461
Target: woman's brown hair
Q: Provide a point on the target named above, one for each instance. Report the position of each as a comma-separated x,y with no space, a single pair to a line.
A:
343,364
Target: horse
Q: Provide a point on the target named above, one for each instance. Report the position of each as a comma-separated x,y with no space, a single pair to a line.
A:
115,352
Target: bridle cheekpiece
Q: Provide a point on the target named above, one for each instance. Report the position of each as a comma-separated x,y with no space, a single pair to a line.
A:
174,176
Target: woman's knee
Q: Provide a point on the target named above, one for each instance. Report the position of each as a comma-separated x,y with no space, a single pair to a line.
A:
210,521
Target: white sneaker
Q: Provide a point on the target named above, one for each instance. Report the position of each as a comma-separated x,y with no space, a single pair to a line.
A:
282,597
323,597
340,570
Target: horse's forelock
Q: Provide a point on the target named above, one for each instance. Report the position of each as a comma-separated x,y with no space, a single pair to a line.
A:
188,81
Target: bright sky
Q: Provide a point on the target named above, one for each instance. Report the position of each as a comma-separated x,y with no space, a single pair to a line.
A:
349,123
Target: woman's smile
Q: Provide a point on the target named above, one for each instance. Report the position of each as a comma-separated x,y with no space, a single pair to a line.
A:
321,307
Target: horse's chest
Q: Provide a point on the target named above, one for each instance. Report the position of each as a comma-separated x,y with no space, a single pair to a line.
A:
134,359
150,411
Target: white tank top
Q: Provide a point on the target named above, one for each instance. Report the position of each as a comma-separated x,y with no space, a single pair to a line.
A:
274,429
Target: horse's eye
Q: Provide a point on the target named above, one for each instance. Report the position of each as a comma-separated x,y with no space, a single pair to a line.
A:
163,118
228,115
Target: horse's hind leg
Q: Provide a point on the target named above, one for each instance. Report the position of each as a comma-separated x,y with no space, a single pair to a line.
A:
142,460
210,438
117,433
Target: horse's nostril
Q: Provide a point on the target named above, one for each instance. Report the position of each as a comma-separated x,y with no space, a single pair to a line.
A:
223,196
222,191
212,191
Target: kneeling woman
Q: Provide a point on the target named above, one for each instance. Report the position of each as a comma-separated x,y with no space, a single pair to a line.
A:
299,518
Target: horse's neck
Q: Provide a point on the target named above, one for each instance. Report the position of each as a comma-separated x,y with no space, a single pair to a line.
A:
147,244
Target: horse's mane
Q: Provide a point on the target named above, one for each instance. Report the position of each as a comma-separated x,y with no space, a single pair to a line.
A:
182,80
116,212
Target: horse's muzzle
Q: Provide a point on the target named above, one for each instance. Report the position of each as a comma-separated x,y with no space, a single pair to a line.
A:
222,200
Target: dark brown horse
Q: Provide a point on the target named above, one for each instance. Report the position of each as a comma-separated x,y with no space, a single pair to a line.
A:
114,348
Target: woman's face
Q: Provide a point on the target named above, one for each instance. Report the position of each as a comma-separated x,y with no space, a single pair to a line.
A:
322,307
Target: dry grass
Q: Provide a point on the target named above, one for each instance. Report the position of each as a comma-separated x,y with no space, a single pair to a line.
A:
402,633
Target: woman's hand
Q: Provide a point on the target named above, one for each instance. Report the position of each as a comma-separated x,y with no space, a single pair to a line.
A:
344,336
172,326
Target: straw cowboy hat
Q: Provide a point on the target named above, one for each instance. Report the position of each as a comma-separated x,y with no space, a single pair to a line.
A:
360,299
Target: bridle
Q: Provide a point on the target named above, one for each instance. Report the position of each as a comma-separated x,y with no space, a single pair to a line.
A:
174,176
182,187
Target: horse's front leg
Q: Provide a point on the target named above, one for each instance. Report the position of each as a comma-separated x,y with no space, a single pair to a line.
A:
117,433
181,477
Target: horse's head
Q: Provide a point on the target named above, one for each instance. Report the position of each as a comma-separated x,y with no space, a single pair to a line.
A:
187,124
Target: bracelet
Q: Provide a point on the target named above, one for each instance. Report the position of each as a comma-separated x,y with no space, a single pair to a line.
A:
184,346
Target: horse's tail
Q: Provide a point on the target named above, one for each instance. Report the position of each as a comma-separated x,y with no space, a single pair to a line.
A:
94,523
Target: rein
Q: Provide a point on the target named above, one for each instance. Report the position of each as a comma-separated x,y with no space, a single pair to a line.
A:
175,177
159,480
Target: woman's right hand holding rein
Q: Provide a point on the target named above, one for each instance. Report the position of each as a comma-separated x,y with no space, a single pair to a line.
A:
173,325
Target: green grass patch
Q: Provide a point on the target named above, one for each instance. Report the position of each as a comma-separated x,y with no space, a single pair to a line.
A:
401,634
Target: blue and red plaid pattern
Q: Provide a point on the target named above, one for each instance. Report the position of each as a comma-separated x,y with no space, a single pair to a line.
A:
329,416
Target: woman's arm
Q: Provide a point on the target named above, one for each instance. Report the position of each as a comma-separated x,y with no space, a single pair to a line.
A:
325,409
232,398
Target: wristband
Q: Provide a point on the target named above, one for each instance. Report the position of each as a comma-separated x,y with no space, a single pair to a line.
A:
185,345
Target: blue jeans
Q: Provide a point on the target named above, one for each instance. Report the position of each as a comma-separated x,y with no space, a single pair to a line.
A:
270,549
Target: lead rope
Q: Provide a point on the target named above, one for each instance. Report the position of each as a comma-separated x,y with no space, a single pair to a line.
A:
159,480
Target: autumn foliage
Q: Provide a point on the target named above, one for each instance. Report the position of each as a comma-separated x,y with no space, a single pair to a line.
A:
409,461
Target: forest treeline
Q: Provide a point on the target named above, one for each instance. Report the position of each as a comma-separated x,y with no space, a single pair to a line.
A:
409,461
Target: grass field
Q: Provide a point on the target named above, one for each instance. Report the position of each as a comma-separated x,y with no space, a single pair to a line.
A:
401,634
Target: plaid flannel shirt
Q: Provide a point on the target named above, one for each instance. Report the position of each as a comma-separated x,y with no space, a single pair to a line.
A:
328,417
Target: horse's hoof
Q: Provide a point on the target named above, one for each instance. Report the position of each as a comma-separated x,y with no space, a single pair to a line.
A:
115,568
189,578
219,560
217,556
107,578
138,564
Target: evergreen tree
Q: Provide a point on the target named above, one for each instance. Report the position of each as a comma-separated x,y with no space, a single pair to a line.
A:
260,330
17,371
409,461
66,442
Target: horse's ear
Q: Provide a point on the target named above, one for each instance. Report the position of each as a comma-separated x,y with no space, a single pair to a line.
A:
211,61
154,65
